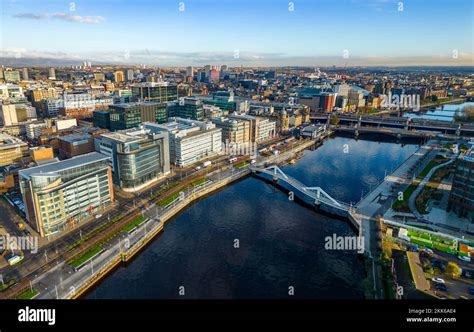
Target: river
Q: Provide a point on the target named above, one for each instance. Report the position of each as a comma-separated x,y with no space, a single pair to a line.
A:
250,241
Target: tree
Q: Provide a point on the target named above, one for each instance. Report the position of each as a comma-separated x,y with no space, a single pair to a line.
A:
334,120
434,98
453,270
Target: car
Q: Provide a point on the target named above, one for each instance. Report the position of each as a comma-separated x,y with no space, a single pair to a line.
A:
464,258
438,280
439,264
441,287
471,290
429,251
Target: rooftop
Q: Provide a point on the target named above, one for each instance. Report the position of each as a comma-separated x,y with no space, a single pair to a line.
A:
63,165
7,141
75,137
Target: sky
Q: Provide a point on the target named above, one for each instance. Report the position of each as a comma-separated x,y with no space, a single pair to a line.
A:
273,32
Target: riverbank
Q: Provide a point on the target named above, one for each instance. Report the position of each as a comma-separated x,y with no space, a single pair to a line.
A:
123,256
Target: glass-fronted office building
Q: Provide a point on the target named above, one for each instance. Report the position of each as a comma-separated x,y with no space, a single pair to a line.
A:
61,194
137,157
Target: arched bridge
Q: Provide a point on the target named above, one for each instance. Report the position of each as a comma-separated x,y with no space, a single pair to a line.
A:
311,195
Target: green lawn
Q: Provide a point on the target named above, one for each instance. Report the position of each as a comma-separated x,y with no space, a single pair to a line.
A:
27,294
76,262
6,285
168,200
94,232
241,164
134,223
402,205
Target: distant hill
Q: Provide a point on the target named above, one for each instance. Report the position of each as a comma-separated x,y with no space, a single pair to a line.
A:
45,62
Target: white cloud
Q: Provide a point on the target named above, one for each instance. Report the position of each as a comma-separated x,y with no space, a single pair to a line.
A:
78,19
63,17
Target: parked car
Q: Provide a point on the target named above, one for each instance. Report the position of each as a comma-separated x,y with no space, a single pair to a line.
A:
438,280
441,287
429,251
471,290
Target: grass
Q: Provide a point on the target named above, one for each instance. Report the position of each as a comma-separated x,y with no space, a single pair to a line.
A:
422,227
241,164
168,200
430,191
27,294
76,262
433,163
134,223
94,232
7,285
164,188
402,205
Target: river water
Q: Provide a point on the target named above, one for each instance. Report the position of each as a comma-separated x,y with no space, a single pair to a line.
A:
280,243
444,113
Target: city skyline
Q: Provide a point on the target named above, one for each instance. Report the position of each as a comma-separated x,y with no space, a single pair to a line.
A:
281,33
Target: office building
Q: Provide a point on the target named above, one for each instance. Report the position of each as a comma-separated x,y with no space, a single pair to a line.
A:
61,194
260,128
81,105
74,145
101,119
132,115
233,131
138,157
190,141
35,129
155,91
186,108
12,149
461,198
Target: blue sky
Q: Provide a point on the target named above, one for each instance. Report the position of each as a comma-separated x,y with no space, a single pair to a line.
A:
258,29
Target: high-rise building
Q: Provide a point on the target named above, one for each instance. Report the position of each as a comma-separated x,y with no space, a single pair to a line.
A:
138,157
52,73
132,115
190,71
159,92
190,141
130,75
187,108
63,193
461,198
25,74
118,76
